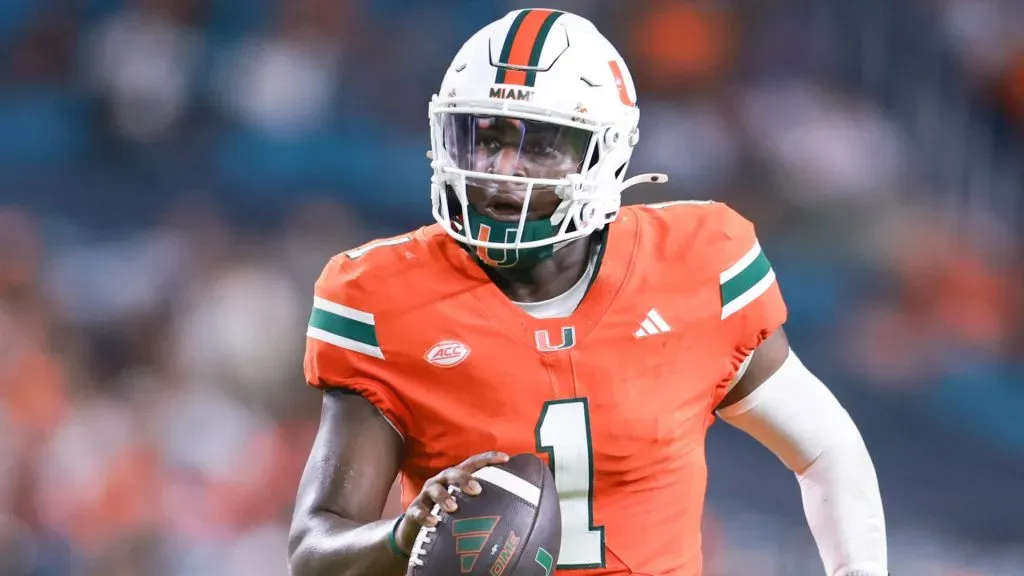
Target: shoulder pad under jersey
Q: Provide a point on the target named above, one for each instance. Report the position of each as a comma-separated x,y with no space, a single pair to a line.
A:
359,303
718,245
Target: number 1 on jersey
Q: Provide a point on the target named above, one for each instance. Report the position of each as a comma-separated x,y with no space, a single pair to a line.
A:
563,431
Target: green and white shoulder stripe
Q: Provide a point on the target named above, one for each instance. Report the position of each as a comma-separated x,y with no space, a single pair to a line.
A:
744,281
344,327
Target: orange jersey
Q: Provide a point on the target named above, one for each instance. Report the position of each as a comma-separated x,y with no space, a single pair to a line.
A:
618,396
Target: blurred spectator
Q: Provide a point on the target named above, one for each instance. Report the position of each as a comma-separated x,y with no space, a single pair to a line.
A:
43,54
678,46
827,147
285,82
986,35
143,61
948,299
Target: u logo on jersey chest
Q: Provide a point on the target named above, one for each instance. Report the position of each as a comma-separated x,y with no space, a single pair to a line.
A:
567,339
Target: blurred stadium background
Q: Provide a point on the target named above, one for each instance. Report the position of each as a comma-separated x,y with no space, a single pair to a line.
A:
174,174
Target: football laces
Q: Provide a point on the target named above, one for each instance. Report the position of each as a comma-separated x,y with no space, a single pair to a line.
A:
423,537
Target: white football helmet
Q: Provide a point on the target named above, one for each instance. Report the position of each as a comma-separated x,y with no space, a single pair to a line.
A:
537,66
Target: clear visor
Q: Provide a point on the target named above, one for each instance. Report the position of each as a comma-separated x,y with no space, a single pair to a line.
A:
506,146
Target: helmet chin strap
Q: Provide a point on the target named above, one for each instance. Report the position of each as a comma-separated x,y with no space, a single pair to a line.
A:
562,211
563,208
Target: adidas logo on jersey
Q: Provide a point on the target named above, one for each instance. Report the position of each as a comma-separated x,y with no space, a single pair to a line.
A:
447,353
651,325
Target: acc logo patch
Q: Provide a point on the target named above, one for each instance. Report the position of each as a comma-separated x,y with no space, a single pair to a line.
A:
447,353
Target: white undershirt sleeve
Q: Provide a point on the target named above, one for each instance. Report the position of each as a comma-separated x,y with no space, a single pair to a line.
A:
796,417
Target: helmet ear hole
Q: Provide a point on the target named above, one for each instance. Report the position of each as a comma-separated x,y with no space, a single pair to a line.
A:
587,213
612,136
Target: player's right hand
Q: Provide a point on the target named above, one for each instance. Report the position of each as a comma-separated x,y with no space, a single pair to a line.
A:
435,491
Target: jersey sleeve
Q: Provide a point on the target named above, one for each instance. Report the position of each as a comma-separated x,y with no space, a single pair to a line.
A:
342,350
752,307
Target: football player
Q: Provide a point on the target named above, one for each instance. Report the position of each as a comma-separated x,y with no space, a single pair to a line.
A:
539,315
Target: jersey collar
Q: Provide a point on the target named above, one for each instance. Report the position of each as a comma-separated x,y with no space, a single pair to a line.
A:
615,262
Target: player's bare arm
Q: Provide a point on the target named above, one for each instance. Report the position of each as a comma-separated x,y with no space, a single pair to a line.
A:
770,356
336,528
789,410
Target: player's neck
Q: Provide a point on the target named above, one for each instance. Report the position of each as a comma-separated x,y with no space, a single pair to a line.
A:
550,278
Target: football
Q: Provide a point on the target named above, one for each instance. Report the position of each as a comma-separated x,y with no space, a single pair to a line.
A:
513,528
